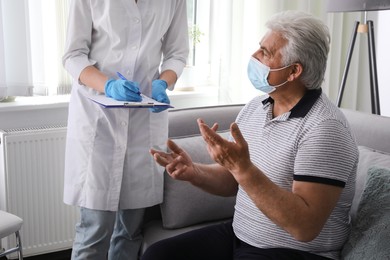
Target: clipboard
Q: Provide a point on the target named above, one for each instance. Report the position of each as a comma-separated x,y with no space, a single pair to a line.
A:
107,102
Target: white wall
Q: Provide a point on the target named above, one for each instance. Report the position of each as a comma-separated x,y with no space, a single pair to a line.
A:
30,112
382,36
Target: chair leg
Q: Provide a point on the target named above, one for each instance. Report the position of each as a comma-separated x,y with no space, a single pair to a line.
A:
19,245
17,248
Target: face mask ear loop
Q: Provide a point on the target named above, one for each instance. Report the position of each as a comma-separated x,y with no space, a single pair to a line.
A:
278,69
282,68
280,84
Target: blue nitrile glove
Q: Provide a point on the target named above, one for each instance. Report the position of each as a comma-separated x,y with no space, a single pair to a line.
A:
122,90
159,94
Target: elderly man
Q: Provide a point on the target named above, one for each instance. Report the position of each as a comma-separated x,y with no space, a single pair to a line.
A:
291,159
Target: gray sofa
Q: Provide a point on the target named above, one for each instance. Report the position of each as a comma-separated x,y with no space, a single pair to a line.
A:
186,207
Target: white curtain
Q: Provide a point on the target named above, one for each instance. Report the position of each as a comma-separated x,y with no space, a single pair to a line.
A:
47,29
30,56
383,58
239,25
31,46
2,61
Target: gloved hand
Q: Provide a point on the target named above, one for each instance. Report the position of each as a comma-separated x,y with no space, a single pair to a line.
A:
122,90
159,94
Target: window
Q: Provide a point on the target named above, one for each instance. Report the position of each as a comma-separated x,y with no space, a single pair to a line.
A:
220,46
197,71
32,46
215,69
223,34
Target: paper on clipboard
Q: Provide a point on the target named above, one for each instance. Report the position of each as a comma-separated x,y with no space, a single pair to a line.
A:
112,103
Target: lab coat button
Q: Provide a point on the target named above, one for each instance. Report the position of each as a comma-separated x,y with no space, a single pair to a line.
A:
134,47
123,123
136,20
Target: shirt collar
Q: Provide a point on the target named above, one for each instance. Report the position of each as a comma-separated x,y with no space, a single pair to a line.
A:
304,104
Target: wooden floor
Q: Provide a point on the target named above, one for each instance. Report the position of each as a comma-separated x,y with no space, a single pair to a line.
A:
62,255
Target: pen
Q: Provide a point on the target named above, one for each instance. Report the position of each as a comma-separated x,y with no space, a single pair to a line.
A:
124,78
121,76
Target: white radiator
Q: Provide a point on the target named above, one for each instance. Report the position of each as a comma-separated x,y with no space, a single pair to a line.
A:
31,186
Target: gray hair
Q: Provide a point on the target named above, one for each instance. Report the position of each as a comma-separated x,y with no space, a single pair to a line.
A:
308,43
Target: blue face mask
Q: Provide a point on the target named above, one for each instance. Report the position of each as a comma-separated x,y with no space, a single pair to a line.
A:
258,74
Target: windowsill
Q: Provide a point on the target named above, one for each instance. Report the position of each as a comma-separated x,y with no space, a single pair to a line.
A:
200,96
37,111
35,102
203,90
178,96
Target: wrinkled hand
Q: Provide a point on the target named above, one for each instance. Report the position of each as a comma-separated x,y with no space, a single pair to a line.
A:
177,163
159,94
122,90
234,156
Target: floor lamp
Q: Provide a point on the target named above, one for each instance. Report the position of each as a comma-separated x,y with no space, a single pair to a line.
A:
366,27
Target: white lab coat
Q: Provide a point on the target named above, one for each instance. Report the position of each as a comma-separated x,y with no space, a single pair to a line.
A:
107,162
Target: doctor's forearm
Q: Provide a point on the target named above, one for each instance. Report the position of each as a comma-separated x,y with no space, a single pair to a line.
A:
93,78
169,76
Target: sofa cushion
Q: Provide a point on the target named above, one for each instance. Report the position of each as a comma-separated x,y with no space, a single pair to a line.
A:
367,158
186,205
370,233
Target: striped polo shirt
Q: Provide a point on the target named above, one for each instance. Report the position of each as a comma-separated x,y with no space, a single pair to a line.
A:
311,143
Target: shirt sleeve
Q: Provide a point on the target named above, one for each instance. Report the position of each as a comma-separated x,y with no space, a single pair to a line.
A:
176,43
328,154
79,37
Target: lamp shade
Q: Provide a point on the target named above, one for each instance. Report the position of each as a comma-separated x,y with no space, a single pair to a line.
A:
357,5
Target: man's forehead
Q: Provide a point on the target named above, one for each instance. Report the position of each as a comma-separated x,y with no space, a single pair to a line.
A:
273,41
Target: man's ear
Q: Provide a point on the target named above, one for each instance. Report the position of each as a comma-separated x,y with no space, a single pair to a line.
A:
296,71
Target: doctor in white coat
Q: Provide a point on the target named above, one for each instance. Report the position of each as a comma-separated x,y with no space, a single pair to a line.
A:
109,173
